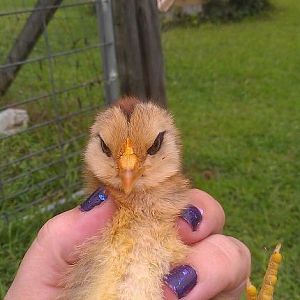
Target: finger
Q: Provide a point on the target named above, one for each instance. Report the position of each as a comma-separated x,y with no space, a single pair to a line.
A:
209,220
53,249
221,265
71,228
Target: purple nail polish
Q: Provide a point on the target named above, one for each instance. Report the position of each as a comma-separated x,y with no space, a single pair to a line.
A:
181,280
193,216
95,199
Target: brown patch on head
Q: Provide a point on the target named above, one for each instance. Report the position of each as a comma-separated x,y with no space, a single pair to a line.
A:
127,106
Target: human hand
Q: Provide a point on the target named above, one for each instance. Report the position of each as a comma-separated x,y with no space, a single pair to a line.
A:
222,263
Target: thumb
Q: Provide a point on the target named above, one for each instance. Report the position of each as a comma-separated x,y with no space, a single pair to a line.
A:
63,233
53,249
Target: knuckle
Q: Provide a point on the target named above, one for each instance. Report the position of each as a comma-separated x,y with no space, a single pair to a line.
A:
45,232
241,259
217,215
221,213
241,249
217,208
235,257
201,194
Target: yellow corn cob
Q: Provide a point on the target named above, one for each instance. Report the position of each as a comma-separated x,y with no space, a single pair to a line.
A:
269,282
251,292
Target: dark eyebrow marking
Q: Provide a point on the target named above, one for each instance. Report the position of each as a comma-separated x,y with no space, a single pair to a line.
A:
127,106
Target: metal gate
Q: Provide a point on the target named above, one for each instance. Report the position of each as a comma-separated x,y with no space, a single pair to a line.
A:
58,86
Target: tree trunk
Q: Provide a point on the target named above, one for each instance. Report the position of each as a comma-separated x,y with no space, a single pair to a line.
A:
32,30
139,50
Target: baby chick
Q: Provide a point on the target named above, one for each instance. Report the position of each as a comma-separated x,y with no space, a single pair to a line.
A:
134,153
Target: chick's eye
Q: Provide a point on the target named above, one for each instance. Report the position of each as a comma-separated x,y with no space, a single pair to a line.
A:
104,147
157,144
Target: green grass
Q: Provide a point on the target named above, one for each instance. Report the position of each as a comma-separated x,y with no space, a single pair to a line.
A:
234,90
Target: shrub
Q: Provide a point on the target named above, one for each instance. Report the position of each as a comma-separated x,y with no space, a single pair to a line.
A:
233,10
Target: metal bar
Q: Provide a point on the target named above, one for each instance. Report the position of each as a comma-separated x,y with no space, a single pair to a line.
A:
6,216
34,187
59,92
30,10
50,122
49,207
50,148
20,208
54,55
74,196
1,188
106,32
40,168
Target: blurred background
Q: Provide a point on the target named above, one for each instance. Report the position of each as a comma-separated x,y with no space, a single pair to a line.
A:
229,70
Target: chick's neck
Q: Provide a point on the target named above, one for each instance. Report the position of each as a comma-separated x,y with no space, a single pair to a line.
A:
159,201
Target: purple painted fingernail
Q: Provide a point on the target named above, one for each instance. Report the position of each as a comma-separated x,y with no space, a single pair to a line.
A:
95,199
181,280
193,216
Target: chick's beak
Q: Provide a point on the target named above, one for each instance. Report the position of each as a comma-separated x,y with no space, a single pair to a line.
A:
128,167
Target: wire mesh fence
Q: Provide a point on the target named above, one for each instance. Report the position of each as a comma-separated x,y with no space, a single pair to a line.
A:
60,86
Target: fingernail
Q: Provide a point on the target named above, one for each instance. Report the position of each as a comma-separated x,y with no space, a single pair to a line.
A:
95,199
193,216
181,280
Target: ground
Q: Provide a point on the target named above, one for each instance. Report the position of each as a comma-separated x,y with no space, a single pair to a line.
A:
234,91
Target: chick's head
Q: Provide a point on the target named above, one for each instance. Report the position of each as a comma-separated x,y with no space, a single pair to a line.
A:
133,146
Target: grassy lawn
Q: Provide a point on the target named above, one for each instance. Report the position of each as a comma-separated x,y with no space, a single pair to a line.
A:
234,90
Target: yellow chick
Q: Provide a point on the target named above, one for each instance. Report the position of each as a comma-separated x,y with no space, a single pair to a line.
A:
134,153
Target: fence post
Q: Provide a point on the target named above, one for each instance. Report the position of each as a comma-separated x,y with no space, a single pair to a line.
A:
139,49
106,31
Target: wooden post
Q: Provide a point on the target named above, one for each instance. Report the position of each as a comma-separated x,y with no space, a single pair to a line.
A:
139,50
110,68
32,30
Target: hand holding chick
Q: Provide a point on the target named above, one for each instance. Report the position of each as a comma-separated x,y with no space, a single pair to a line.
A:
52,252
